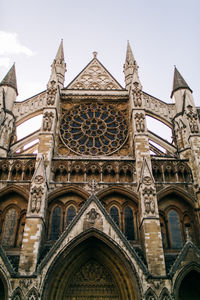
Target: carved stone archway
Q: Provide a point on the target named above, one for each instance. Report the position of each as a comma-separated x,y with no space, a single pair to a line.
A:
93,270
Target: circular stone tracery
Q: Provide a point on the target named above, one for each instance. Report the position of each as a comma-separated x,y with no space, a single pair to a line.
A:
94,129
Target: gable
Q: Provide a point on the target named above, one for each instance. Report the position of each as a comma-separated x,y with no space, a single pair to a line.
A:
92,217
94,77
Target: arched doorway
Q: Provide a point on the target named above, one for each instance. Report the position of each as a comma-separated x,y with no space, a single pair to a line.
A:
92,269
190,287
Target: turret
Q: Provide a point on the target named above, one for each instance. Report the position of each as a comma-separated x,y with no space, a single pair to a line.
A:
8,94
9,86
180,92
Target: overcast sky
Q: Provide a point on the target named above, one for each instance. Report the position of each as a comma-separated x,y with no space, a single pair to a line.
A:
162,33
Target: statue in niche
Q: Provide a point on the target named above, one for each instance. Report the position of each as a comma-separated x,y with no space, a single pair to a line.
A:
36,199
192,117
140,126
47,121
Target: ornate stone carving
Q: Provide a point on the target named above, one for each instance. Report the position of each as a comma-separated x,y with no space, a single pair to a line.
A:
139,121
149,202
92,281
25,283
93,219
192,117
51,93
147,180
47,121
92,216
94,77
39,179
36,198
92,184
137,95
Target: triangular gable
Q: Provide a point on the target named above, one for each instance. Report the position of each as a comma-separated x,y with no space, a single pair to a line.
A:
146,173
94,77
92,216
182,257
39,175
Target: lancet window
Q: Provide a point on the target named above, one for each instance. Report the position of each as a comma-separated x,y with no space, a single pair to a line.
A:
129,223
55,223
71,212
114,212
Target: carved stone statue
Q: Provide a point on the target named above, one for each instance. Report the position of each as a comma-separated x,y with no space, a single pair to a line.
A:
36,199
47,121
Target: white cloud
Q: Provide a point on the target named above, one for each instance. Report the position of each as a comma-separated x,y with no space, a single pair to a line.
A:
10,44
4,62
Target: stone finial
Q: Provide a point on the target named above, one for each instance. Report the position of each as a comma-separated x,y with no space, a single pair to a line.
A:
95,54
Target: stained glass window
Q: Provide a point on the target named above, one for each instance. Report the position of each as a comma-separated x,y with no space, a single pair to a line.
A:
115,214
9,228
71,212
129,223
175,229
94,129
55,223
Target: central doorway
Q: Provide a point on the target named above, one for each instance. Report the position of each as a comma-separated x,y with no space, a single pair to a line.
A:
91,268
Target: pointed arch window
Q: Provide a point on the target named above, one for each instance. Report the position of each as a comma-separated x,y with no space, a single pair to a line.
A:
55,223
9,228
114,212
175,229
71,213
129,223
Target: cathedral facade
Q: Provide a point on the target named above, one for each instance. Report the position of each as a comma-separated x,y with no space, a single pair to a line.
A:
93,205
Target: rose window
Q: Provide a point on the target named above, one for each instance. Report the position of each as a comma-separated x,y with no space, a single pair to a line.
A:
93,129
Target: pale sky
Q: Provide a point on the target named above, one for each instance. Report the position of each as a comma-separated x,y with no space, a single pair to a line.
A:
162,33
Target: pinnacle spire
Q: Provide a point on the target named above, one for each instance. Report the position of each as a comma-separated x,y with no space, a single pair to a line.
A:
60,52
129,55
131,69
10,79
179,82
58,68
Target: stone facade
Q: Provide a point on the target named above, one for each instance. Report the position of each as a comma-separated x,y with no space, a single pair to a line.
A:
100,211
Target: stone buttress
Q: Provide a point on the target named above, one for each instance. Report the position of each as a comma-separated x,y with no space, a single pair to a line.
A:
35,220
149,217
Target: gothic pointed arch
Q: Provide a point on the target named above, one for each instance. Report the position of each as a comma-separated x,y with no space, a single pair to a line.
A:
17,294
164,295
92,259
120,190
186,281
15,188
66,190
177,191
33,294
150,294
